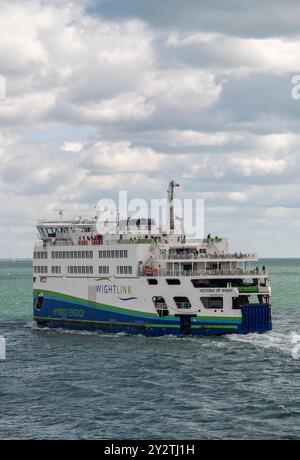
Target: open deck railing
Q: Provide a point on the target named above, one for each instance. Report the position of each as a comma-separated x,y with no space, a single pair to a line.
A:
236,272
193,256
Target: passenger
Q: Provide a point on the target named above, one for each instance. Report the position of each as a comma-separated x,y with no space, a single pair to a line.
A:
263,269
257,269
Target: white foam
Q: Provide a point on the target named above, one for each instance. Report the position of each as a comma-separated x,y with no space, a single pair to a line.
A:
268,340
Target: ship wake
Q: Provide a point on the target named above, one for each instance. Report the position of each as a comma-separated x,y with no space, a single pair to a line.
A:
285,343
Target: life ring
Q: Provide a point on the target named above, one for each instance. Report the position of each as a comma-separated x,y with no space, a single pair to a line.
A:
149,271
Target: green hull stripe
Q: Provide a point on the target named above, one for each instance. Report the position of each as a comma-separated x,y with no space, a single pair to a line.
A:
138,326
213,326
106,323
90,303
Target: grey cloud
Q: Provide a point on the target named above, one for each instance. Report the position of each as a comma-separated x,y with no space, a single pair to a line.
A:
258,18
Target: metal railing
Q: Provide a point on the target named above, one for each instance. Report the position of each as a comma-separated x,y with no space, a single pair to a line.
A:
236,272
192,256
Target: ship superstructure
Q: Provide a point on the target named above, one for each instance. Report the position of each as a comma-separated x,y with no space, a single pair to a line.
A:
141,281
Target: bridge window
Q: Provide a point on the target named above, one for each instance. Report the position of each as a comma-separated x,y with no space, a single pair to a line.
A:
51,232
172,281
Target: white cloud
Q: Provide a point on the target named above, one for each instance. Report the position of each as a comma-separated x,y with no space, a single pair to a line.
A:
196,138
272,54
72,147
156,108
63,65
258,166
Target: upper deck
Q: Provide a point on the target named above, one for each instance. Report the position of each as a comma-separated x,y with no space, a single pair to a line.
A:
150,250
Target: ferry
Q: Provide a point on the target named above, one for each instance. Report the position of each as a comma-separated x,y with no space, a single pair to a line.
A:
137,281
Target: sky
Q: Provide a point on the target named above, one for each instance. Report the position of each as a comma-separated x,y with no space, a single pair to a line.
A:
112,95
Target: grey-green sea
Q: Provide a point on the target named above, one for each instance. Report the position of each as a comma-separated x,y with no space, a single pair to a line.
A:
71,385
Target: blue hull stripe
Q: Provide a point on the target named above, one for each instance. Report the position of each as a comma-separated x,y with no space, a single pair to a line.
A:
58,312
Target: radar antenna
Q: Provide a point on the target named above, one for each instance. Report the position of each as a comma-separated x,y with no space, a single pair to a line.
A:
60,213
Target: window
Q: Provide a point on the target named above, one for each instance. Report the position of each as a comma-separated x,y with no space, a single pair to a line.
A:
237,302
124,269
56,270
160,306
40,269
172,281
80,269
40,255
209,283
212,302
51,232
182,302
103,269
152,281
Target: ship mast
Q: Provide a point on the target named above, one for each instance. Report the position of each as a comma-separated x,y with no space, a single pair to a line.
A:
172,185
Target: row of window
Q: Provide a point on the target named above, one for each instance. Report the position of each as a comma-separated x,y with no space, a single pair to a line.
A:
113,254
105,254
40,269
80,270
124,270
205,283
72,254
183,302
83,270
40,255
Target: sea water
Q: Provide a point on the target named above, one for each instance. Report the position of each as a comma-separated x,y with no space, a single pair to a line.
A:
70,385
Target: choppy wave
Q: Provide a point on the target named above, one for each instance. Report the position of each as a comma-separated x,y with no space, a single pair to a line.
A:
64,384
